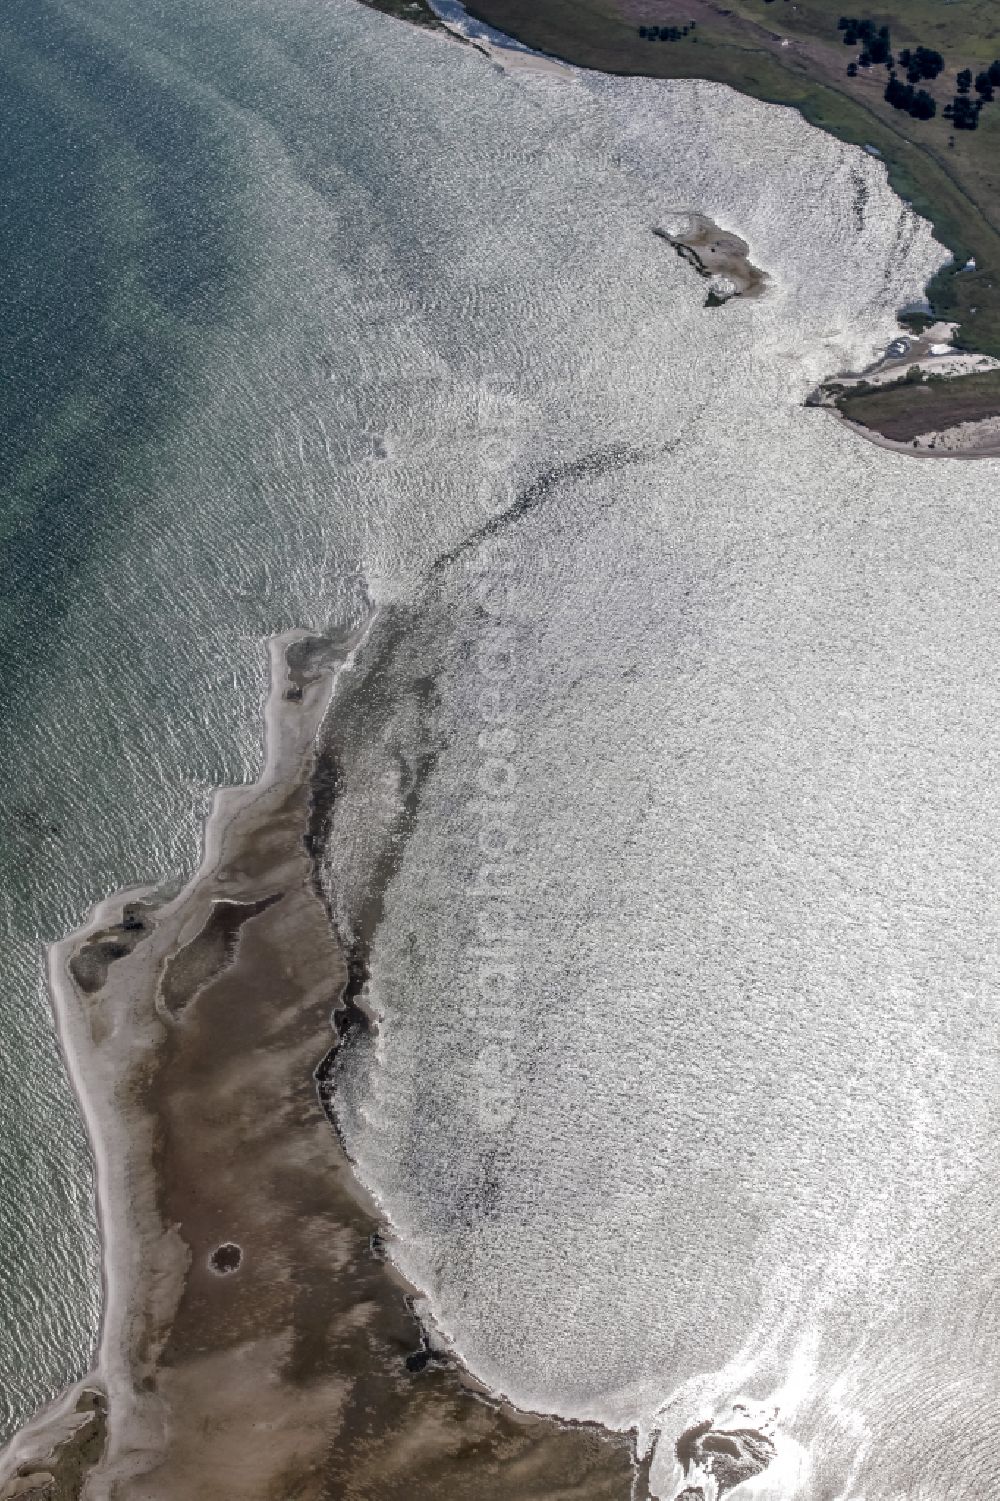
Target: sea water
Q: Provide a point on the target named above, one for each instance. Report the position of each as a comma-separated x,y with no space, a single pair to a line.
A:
682,1090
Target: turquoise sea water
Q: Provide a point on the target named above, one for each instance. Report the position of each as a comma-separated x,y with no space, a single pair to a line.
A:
151,538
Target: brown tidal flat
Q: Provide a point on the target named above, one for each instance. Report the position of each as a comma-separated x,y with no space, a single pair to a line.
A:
254,1343
719,256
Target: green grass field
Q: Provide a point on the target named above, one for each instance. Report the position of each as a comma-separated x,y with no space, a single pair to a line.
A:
951,176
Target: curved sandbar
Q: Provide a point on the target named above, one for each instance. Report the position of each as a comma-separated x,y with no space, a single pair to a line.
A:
254,1343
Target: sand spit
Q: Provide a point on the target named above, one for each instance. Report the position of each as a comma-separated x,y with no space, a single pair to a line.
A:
965,440
931,382
255,1342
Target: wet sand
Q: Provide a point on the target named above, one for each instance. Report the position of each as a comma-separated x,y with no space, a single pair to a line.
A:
194,1030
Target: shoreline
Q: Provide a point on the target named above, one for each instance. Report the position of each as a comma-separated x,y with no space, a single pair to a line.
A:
722,258
504,51
920,398
100,1074
797,61
254,1338
915,450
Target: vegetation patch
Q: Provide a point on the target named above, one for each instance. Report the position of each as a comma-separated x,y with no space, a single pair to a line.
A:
920,404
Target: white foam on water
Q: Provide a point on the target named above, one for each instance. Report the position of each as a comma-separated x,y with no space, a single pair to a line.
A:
684,977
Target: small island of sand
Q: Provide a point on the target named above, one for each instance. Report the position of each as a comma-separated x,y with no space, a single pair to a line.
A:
719,256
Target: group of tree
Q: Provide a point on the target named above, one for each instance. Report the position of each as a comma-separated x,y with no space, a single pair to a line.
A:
916,102
874,40
984,87
920,64
963,112
665,33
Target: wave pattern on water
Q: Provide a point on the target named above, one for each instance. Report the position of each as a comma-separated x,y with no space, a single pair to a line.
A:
684,1074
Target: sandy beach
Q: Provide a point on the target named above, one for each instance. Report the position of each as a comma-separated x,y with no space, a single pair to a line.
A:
255,1340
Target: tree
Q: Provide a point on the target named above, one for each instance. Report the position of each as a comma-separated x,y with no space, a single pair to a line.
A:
917,102
984,86
964,81
899,95
926,61
964,112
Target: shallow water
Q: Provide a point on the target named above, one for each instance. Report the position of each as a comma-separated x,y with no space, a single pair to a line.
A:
683,1100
